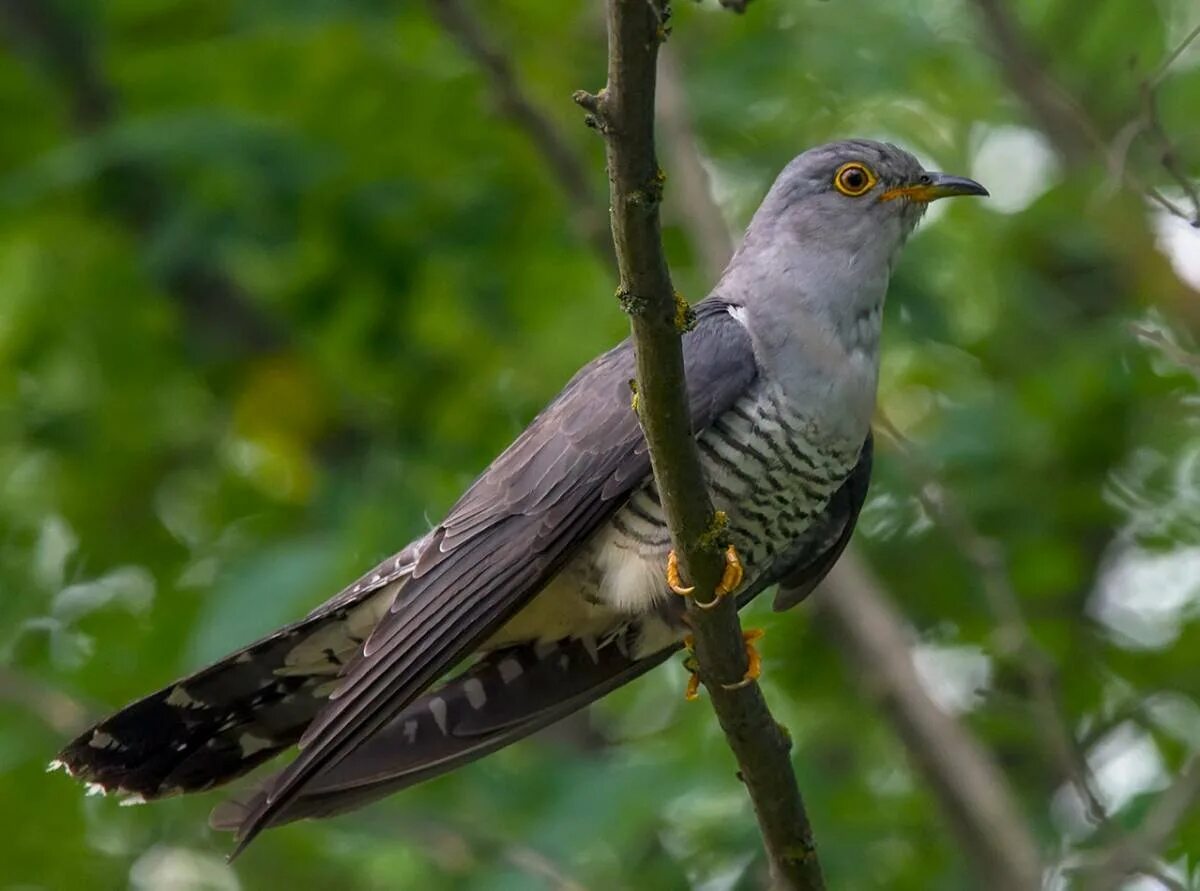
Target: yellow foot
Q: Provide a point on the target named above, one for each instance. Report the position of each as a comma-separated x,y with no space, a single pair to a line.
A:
692,693
753,660
674,582
730,578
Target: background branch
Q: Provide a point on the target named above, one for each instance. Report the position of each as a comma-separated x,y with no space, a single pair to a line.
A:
1136,851
514,102
624,113
965,780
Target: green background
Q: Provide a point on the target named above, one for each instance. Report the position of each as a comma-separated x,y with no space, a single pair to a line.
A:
277,279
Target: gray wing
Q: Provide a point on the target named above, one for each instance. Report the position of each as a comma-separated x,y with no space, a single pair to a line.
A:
508,535
516,691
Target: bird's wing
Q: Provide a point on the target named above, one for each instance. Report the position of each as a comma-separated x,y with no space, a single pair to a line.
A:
516,526
819,548
513,692
506,696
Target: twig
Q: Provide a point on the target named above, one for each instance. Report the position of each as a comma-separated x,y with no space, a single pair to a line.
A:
1061,117
624,113
976,801
1058,115
568,170
1167,156
691,190
1167,347
1136,852
58,711
1013,640
1165,65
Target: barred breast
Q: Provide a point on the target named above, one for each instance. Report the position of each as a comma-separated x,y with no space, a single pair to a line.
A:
771,470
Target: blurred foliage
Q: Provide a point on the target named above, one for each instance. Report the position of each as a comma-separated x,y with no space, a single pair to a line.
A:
285,280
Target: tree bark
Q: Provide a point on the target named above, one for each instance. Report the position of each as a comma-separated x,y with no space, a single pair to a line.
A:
624,113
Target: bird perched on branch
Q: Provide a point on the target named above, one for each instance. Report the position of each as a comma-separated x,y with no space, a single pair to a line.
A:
552,577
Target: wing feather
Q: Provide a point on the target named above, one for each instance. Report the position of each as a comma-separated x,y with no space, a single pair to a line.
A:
516,526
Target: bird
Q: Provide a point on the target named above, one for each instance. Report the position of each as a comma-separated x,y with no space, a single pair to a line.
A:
552,578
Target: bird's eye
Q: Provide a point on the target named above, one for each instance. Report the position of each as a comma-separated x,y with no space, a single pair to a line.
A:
854,179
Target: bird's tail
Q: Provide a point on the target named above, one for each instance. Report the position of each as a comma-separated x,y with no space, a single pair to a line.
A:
220,722
503,697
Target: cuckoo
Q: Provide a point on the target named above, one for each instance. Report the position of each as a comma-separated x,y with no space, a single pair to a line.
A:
551,581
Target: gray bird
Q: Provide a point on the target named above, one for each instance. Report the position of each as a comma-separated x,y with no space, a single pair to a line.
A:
551,571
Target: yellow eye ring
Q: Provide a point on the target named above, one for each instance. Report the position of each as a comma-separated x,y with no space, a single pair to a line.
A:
854,179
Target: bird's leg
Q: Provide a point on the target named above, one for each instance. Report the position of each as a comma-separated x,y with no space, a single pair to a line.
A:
753,660
753,665
730,578
692,693
674,582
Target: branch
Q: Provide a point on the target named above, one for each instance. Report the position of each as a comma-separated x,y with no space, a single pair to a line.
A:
624,113
58,711
971,790
691,190
1014,640
570,173
1136,851
1065,120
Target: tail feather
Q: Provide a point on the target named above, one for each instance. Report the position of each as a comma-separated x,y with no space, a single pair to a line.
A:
226,719
507,695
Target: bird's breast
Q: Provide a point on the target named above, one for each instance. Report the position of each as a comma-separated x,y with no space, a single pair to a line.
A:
771,468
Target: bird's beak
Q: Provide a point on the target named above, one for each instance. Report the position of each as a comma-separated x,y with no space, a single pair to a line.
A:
935,186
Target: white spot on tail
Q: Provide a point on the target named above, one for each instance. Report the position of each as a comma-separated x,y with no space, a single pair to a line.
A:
249,744
102,740
131,800
94,789
476,695
593,649
510,670
437,708
180,698
58,765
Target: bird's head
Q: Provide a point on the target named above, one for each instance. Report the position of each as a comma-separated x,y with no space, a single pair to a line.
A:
823,243
858,197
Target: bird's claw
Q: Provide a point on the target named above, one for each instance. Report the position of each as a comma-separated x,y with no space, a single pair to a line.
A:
692,692
753,660
731,578
674,582
753,665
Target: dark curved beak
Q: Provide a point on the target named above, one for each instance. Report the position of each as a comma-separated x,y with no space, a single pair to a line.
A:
934,186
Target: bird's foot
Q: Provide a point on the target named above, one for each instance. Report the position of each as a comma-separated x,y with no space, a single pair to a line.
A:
731,578
692,692
753,665
753,660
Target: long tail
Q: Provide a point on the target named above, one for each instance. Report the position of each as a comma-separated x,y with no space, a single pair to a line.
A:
220,722
507,695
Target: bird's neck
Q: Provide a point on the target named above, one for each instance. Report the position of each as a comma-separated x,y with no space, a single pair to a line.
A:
815,321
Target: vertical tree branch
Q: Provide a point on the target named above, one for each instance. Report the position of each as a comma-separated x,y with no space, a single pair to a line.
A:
624,113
